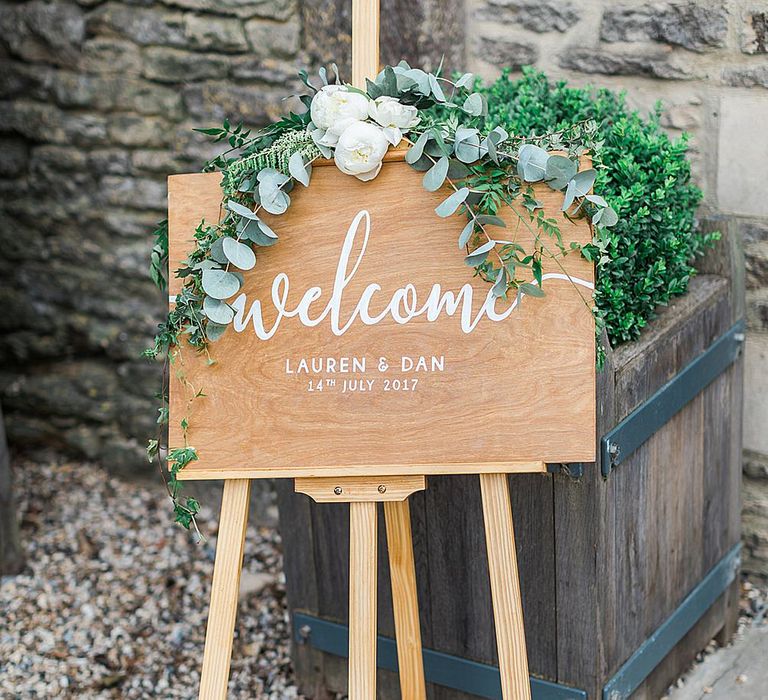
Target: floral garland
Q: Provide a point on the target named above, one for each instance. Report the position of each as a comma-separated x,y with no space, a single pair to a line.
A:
440,120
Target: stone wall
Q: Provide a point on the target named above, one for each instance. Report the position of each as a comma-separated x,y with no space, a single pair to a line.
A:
708,62
97,104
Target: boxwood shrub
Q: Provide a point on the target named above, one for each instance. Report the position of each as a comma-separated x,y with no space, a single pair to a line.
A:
642,172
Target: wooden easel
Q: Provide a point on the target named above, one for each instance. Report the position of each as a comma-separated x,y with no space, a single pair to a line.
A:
363,494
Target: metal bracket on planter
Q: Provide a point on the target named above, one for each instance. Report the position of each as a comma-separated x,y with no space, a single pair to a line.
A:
647,418
443,669
654,649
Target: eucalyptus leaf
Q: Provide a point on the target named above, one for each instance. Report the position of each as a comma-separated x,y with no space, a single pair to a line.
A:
492,220
531,289
260,234
478,255
239,254
218,311
435,88
220,284
466,233
298,169
273,199
596,199
609,217
421,79
415,152
214,331
474,105
457,170
465,81
583,181
435,176
240,210
452,203
217,250
532,163
499,288
272,176
560,170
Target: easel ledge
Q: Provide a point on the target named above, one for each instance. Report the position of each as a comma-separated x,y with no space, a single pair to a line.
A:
368,471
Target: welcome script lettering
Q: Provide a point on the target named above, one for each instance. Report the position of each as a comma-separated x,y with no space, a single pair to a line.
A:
403,305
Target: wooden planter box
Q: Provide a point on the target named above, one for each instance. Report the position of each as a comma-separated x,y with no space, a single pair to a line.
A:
625,577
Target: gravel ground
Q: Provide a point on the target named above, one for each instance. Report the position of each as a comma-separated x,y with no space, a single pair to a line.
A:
113,603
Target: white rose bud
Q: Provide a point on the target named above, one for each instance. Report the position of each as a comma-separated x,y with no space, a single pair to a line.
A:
387,111
360,150
334,108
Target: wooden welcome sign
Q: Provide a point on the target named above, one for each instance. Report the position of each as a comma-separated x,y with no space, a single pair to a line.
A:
362,344
363,357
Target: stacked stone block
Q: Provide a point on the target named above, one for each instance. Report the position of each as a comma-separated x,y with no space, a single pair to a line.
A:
97,105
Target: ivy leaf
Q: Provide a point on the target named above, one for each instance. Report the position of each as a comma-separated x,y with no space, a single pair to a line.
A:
218,311
220,284
466,234
298,169
560,170
435,176
479,255
239,254
452,203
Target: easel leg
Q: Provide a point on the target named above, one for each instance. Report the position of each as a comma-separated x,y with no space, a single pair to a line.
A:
225,589
405,603
505,587
362,600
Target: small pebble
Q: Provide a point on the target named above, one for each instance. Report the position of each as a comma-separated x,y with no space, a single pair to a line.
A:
114,600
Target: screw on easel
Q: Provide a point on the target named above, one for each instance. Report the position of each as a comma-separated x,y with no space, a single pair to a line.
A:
382,488
304,632
338,490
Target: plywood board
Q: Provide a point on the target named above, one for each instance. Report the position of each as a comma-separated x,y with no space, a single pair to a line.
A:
339,387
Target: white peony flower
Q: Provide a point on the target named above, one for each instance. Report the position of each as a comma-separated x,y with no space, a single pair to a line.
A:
360,150
334,108
393,116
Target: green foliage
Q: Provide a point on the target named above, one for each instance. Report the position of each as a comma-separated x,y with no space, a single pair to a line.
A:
642,173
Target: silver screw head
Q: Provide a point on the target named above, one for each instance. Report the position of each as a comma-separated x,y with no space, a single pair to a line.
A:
337,490
382,488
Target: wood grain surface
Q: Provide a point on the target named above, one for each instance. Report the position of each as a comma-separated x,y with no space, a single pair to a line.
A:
505,587
509,393
225,590
349,489
405,601
362,601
